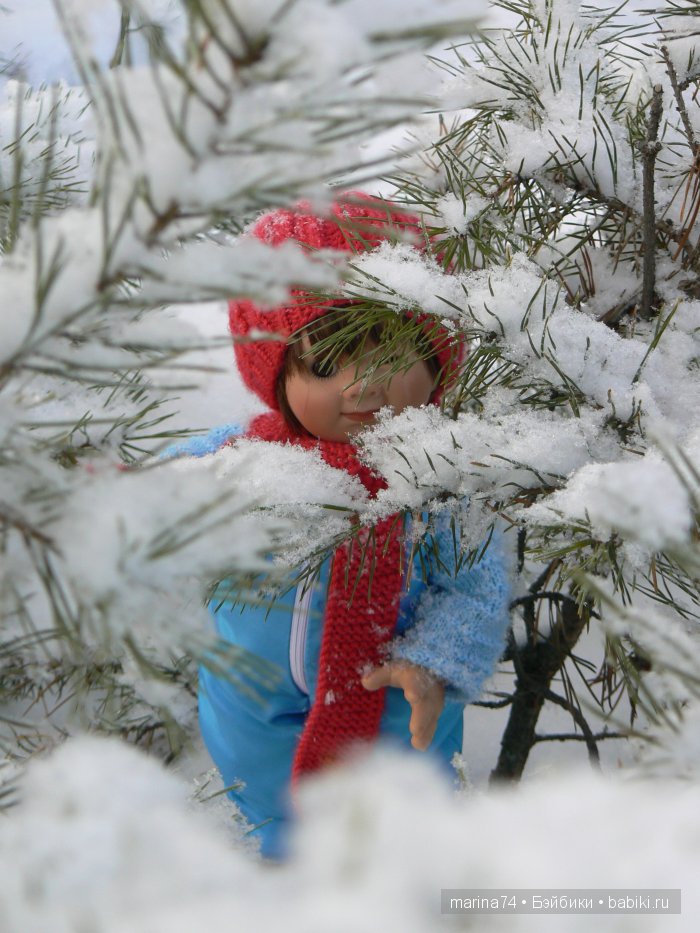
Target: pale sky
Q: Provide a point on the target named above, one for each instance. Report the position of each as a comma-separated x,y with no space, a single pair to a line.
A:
30,33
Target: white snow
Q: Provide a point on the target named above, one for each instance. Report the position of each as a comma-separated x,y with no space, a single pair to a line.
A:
405,279
456,214
642,498
103,840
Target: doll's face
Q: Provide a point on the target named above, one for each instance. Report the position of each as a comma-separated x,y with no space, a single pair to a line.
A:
333,402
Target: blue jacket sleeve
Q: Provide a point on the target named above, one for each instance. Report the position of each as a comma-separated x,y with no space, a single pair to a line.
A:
202,444
461,620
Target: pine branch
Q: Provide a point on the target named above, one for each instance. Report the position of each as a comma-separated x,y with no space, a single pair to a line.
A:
580,720
680,103
199,141
122,42
577,737
11,518
649,150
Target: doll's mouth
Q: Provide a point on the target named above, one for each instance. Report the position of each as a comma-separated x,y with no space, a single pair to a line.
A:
361,415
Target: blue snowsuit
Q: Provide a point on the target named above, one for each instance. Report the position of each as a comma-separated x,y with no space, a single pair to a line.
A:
453,624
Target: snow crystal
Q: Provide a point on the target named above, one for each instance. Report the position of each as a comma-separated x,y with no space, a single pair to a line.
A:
406,279
103,840
499,300
384,811
456,214
249,268
423,451
314,481
316,39
313,500
641,498
142,546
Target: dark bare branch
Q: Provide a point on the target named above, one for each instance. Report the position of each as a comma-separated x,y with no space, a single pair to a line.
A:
536,664
649,150
578,737
580,720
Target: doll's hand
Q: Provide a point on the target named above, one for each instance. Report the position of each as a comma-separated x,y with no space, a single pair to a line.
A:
424,692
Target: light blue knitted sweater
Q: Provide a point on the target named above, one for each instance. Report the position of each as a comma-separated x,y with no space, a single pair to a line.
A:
452,621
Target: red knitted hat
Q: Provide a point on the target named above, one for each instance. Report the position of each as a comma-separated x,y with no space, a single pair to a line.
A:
356,222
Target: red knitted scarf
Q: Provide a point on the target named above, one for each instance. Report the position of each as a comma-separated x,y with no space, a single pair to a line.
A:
360,617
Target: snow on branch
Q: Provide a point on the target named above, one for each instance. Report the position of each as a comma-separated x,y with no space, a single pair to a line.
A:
558,185
118,197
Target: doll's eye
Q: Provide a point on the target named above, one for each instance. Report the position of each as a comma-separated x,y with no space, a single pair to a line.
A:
324,369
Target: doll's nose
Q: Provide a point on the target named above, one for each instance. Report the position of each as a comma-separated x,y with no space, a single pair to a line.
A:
364,383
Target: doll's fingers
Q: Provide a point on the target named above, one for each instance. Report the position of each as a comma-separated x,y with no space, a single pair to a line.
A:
426,706
377,678
386,675
422,725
